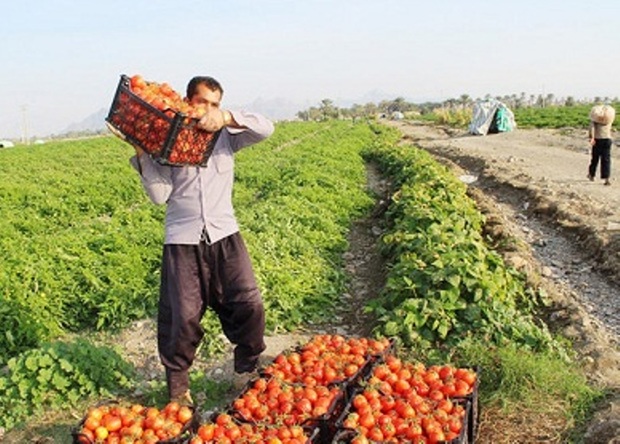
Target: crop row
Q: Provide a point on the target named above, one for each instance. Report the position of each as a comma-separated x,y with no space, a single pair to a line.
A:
444,282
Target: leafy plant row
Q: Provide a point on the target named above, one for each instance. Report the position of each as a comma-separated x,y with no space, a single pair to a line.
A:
79,242
444,284
296,199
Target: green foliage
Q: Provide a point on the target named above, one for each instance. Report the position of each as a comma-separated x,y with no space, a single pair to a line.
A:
296,197
80,242
444,283
576,116
59,374
512,376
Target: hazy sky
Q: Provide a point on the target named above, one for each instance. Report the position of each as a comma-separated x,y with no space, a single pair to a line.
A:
60,60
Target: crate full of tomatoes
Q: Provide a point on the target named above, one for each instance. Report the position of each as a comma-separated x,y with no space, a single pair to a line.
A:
225,428
337,390
154,117
112,422
405,401
329,390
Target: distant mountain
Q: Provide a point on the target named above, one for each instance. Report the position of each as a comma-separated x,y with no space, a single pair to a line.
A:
276,109
95,122
375,96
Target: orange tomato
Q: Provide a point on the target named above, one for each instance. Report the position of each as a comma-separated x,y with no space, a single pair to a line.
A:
461,388
86,436
206,431
137,82
184,414
91,423
171,409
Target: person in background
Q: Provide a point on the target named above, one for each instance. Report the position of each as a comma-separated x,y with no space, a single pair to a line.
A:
205,263
600,140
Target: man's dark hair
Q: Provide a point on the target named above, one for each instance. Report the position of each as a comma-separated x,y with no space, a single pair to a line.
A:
209,82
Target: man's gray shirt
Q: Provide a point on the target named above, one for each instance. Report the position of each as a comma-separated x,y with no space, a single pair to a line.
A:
201,197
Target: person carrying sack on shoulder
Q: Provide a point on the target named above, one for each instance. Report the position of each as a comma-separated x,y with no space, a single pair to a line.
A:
599,133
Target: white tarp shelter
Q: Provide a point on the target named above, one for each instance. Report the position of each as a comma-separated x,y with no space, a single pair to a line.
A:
491,116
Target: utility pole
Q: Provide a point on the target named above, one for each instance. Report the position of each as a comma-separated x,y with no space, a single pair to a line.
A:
25,138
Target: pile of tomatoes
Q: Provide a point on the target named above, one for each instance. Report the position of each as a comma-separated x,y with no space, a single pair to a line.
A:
356,389
404,401
330,386
155,117
117,424
225,430
326,359
275,402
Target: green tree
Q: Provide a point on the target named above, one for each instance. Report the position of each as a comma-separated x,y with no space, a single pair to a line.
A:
328,110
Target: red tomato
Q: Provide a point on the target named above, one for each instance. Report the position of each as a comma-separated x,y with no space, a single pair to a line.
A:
375,434
112,423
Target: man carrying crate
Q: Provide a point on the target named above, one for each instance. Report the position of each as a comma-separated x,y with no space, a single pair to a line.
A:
205,262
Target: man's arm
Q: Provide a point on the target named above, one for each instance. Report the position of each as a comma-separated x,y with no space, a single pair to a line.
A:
248,128
156,178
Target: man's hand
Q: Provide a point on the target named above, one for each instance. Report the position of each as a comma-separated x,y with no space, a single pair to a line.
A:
214,120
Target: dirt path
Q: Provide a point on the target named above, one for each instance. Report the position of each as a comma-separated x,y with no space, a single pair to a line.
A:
541,176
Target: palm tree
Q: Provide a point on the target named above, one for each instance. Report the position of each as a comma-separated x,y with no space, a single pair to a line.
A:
328,109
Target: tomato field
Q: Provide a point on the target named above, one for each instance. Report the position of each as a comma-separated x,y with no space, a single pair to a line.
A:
576,116
82,245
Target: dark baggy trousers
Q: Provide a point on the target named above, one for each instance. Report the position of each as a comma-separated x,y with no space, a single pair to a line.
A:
601,150
195,277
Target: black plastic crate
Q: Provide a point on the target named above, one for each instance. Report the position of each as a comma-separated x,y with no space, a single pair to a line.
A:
341,377
312,430
340,434
170,137
338,400
78,437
